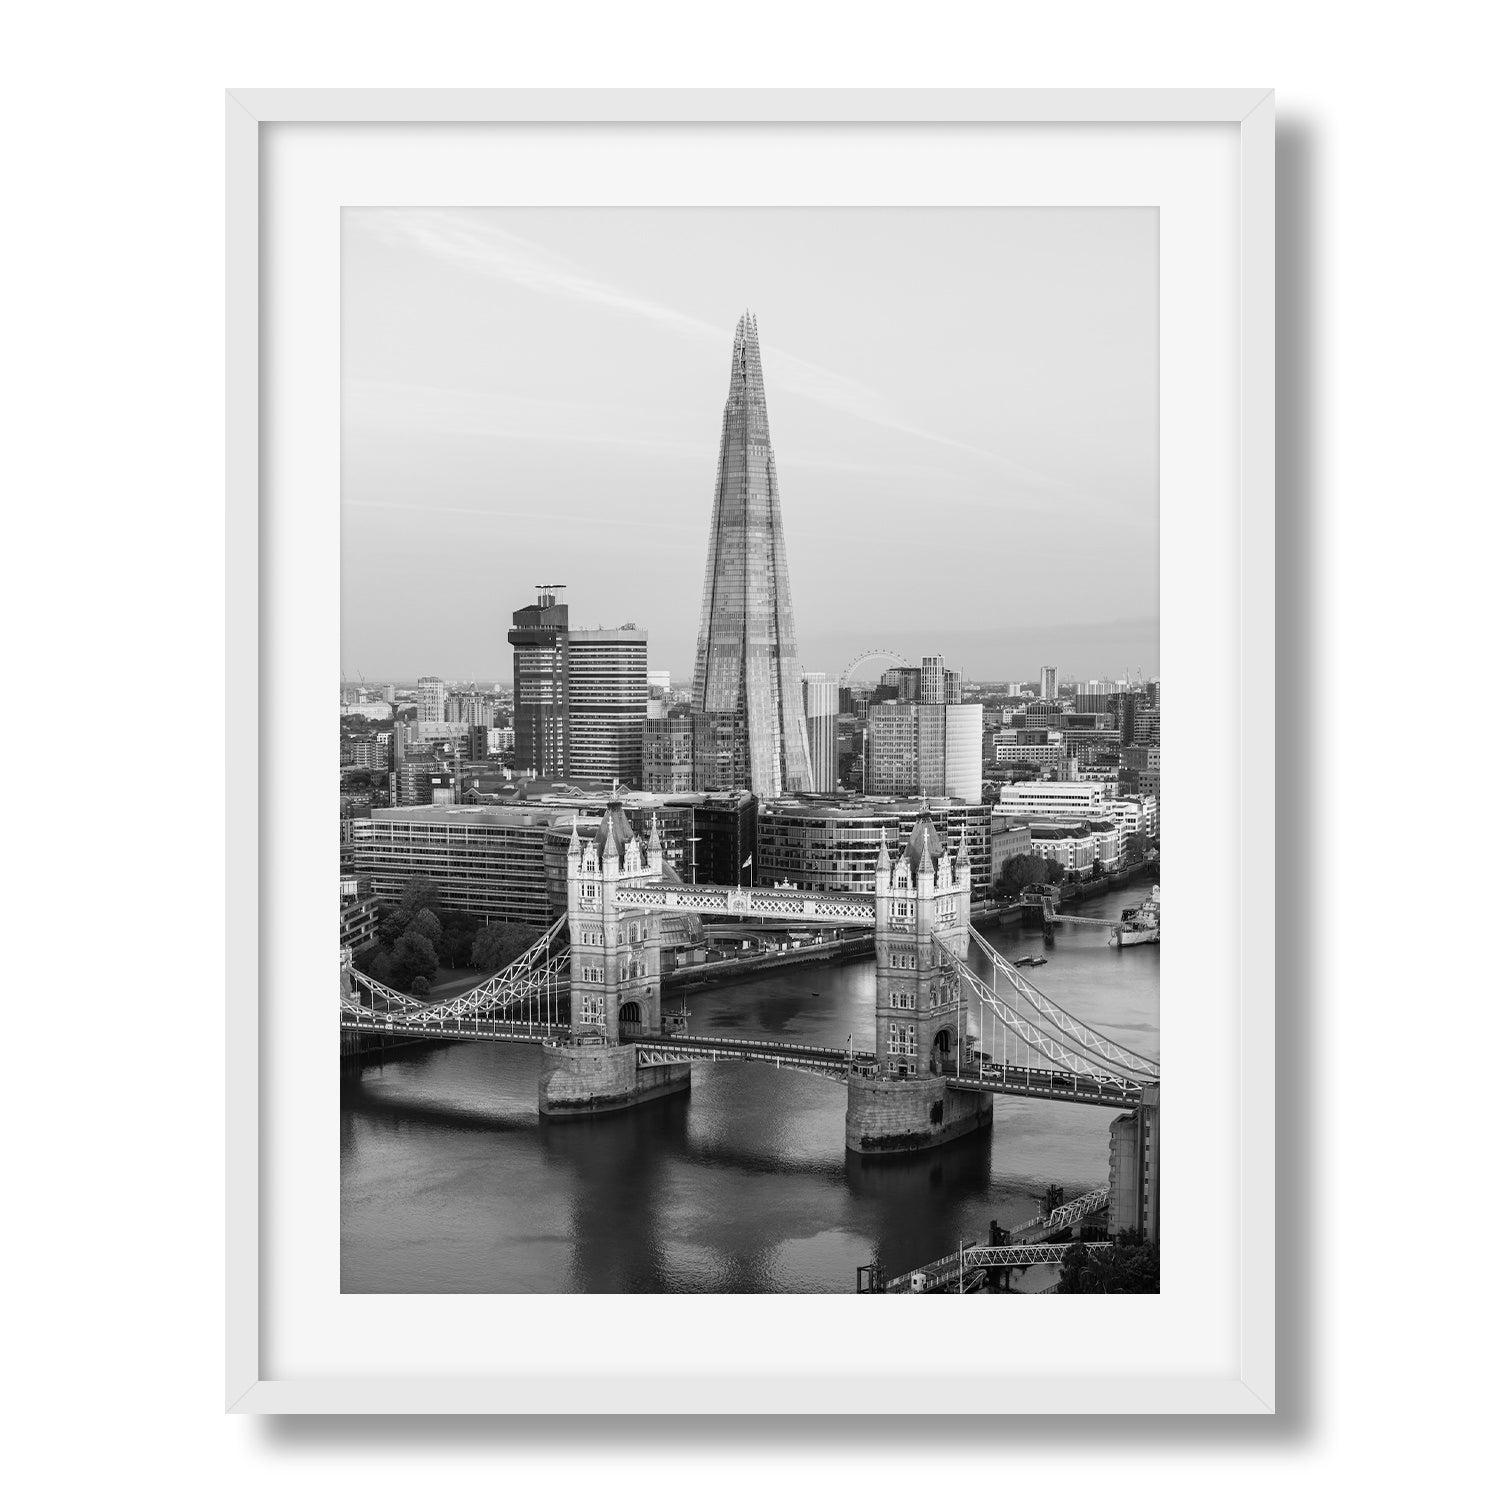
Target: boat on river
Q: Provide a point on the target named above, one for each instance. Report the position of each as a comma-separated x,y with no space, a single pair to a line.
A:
1140,924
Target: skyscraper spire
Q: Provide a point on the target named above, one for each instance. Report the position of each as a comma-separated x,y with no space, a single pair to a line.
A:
748,725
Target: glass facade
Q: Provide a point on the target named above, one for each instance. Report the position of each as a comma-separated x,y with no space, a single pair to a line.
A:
834,846
820,701
668,753
931,745
749,729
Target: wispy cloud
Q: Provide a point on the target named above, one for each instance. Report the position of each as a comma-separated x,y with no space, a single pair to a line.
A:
502,515
384,404
465,240
688,535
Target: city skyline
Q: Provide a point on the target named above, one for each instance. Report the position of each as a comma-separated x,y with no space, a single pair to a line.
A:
525,395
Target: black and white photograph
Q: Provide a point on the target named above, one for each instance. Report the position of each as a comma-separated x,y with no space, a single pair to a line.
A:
766,488
750,805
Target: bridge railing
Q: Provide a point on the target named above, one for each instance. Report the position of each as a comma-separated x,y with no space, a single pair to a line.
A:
653,894
1065,1215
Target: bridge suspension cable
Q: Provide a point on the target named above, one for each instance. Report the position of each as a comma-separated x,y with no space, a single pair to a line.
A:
1063,1022
1058,1053
531,980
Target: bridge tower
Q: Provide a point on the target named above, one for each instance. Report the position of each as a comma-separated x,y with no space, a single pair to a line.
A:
614,979
921,929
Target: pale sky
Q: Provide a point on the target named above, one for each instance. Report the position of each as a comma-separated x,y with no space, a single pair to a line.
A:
963,408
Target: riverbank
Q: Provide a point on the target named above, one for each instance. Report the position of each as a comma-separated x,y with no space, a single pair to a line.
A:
697,976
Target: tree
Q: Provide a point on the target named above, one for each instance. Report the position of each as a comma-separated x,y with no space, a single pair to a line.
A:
425,923
499,944
460,928
393,922
1131,1265
1021,870
420,894
1098,868
412,955
375,963
420,986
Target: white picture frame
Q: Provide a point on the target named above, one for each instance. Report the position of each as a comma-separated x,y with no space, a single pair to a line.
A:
256,1379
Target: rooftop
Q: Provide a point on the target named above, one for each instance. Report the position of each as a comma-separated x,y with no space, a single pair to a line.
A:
495,817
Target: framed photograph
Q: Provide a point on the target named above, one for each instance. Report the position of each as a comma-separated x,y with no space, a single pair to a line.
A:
773,550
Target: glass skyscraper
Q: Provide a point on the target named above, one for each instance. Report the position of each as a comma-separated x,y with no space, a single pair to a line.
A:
748,724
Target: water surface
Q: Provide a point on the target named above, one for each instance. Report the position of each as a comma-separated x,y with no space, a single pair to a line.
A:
451,1182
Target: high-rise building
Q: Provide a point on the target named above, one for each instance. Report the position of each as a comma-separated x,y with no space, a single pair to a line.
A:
540,638
1049,682
432,698
606,697
748,725
933,746
668,753
820,702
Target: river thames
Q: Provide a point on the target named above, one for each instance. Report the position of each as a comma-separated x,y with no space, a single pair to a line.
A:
451,1182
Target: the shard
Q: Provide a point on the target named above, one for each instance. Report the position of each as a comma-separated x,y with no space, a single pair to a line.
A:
748,724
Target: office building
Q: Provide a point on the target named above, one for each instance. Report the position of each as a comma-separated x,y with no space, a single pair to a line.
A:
359,915
1140,771
489,861
540,638
748,725
1133,815
606,704
471,708
932,746
1048,683
828,844
432,698
1007,839
371,751
820,703
667,753
1076,846
1071,800
421,782
929,683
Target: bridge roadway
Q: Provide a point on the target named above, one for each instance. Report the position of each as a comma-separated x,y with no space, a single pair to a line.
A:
829,1062
466,1028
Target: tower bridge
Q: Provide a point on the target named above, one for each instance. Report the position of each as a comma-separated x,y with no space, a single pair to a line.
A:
947,1040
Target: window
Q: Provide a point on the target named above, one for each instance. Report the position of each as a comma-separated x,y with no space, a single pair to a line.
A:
903,1040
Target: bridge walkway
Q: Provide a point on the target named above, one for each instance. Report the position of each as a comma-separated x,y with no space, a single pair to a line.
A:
1030,1244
